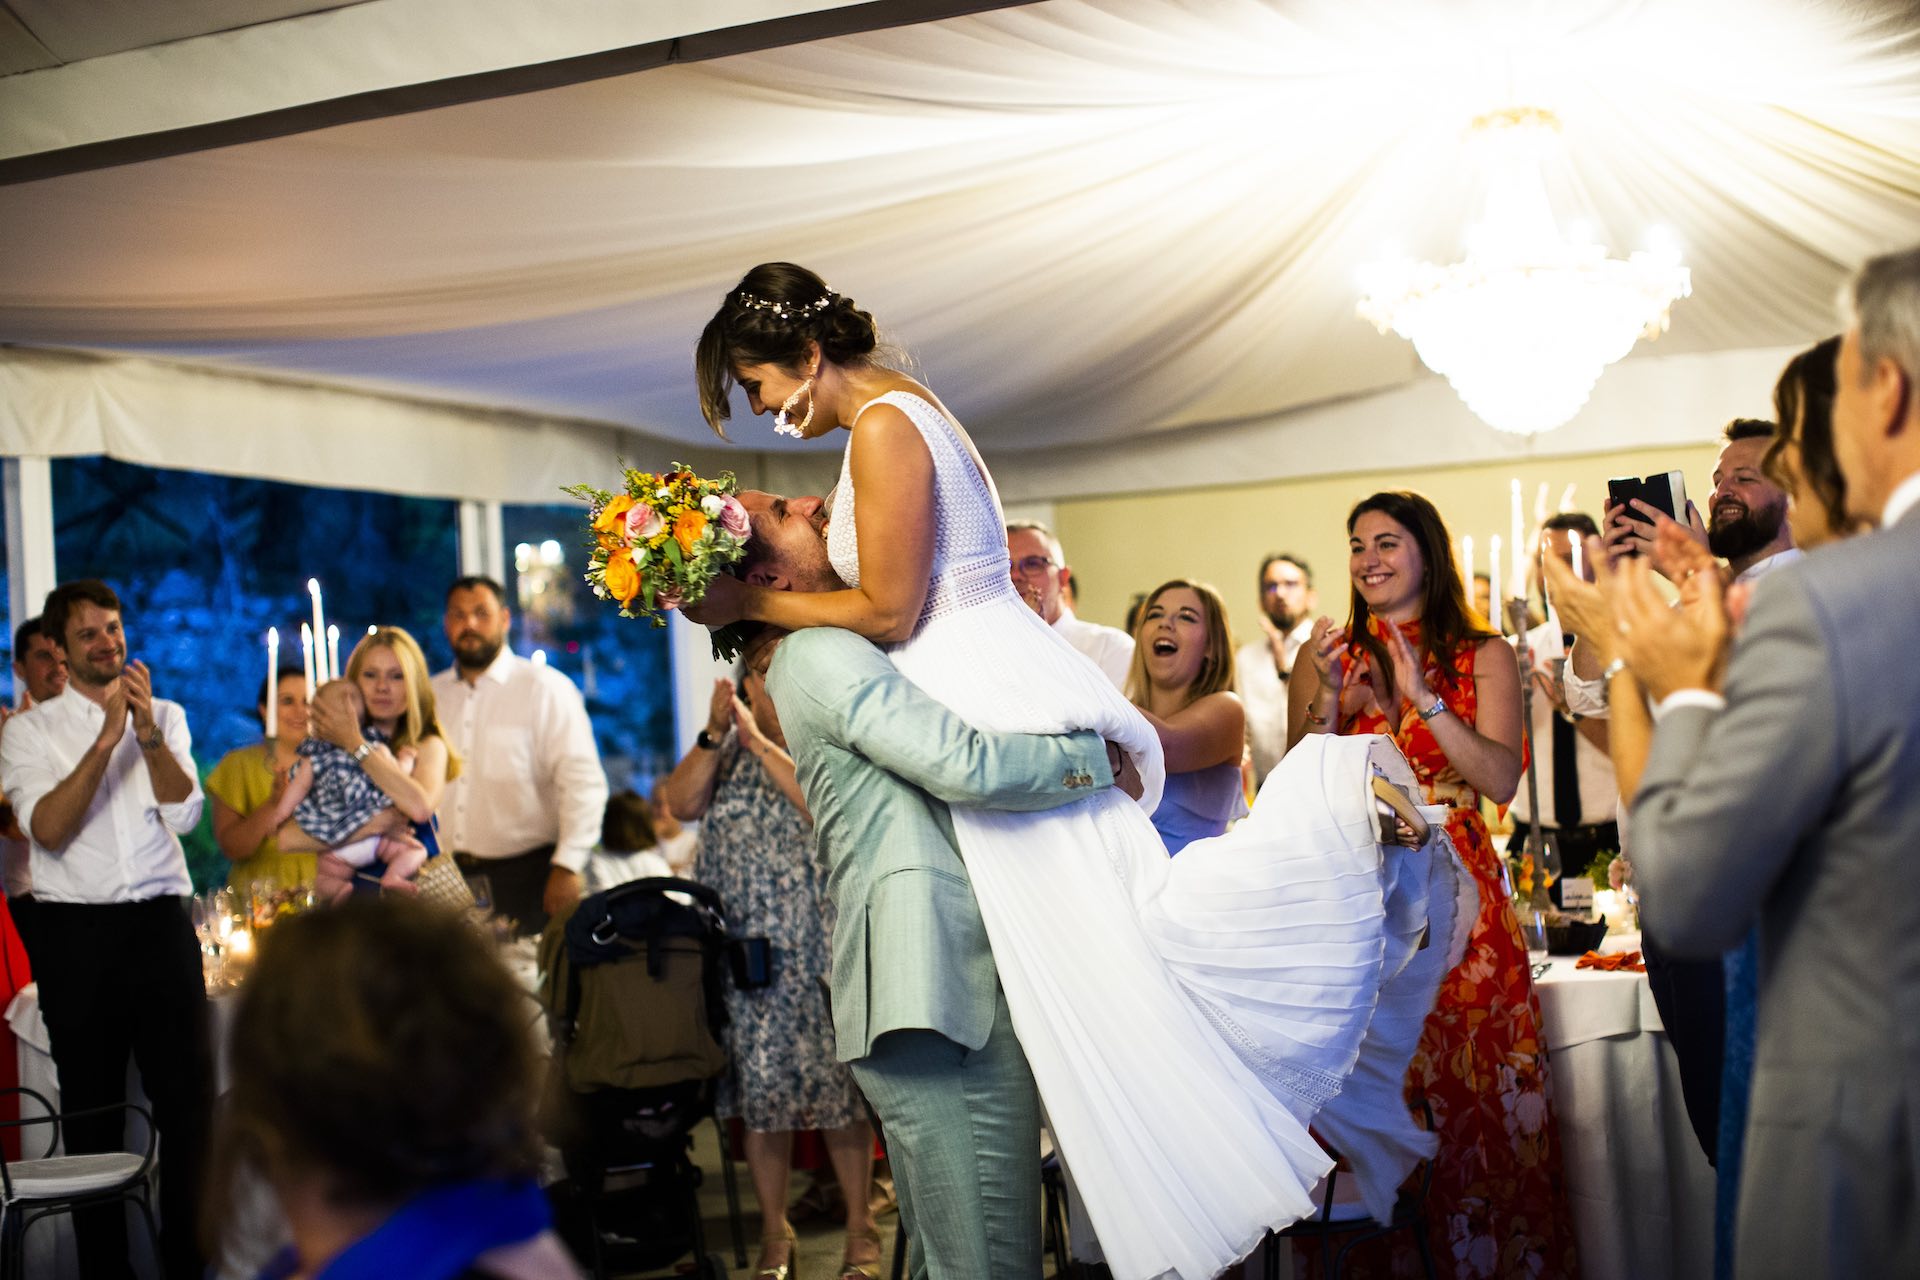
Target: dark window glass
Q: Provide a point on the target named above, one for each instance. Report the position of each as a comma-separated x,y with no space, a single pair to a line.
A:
623,667
204,564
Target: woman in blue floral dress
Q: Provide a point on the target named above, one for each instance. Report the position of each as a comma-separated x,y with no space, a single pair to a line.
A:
756,851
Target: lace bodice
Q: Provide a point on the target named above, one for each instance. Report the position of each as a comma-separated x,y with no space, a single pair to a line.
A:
970,537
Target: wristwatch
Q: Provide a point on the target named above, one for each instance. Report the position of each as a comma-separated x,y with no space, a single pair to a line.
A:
706,741
154,739
361,752
1439,705
1613,669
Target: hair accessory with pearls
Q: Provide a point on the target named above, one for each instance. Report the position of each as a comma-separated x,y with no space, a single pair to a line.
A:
787,310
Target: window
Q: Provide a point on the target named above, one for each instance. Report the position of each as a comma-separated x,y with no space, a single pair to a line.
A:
623,667
204,564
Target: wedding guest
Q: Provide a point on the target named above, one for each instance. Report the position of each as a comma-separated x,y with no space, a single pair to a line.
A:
678,842
102,781
629,848
247,792
756,851
1287,602
1414,664
1801,459
385,1086
1785,794
39,676
1578,792
1041,574
398,742
1182,680
529,808
1483,602
1746,522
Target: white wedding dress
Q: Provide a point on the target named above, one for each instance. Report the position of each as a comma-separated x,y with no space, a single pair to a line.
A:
1185,1018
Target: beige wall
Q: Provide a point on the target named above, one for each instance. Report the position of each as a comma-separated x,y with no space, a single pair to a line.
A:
1130,543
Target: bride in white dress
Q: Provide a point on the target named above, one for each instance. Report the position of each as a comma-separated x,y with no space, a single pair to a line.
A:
1185,1019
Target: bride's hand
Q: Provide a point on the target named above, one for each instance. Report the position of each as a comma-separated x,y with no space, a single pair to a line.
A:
724,603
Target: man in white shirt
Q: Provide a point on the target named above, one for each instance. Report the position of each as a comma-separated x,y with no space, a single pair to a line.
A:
1579,794
1287,601
103,783
39,675
527,807
1040,572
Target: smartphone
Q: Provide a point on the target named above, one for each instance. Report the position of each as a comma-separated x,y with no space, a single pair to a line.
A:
1665,492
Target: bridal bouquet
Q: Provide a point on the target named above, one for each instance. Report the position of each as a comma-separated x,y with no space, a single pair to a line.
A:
660,540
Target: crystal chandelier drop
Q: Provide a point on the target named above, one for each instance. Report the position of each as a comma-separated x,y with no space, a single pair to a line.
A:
1525,326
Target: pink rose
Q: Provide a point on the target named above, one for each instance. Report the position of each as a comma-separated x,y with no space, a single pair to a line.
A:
734,518
643,522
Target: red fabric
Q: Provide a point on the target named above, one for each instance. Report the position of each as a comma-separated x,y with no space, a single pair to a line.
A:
14,974
1499,1203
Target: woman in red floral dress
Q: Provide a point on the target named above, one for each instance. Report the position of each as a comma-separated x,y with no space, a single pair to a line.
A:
1415,663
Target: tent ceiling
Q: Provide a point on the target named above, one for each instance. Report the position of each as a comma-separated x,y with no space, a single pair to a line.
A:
1089,221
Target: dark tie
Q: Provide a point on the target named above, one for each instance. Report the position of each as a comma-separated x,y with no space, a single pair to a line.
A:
1566,770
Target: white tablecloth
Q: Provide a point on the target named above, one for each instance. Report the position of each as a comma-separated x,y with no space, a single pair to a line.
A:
1642,1192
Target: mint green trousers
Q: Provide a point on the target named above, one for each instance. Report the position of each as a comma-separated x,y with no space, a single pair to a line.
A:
962,1130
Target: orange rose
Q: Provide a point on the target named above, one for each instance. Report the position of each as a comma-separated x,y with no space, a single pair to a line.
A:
687,528
623,577
612,520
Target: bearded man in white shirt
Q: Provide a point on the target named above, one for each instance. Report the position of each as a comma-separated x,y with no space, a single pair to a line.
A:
103,784
1041,573
1287,601
527,807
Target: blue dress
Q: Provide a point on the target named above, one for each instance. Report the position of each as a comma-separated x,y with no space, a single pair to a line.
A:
1199,804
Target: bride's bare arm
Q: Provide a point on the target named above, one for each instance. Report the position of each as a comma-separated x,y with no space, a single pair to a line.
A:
1206,732
893,475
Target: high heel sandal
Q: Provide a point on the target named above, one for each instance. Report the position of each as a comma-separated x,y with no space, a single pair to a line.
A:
786,1270
851,1270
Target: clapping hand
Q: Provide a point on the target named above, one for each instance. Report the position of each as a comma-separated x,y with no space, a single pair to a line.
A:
1581,605
1409,677
137,684
115,707
1668,648
1326,650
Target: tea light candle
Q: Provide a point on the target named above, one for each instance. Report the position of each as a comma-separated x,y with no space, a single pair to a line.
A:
240,945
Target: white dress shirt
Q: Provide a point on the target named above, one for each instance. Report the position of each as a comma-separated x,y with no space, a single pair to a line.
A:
1599,789
530,772
127,848
1264,690
1904,498
1110,648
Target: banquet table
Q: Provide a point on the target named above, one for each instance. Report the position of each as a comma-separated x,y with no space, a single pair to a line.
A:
1641,1190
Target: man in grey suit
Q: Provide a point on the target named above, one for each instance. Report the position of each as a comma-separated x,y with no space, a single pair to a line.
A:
1793,799
917,1008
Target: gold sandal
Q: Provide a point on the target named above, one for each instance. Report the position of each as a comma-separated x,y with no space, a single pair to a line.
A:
851,1270
786,1270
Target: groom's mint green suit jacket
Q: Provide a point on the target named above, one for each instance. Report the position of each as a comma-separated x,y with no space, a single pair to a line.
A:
880,761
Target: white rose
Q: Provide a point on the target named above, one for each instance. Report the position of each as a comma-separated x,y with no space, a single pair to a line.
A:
713,506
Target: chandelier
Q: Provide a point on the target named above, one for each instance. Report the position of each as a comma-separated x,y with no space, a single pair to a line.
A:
1526,324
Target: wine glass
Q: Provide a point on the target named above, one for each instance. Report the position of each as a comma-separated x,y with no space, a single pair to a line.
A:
482,889
1533,928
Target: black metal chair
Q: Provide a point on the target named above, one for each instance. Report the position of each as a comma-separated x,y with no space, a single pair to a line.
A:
1409,1214
50,1185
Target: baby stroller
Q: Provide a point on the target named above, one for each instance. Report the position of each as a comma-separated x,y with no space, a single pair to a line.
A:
633,998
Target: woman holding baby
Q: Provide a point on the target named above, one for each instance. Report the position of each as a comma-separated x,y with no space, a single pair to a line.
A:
386,724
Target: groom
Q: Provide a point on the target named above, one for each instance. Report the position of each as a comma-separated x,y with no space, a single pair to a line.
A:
917,1008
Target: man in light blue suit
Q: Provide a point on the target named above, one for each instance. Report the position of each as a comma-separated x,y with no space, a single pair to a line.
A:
917,1007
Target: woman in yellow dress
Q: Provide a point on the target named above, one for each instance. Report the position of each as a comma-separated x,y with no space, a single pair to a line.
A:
248,794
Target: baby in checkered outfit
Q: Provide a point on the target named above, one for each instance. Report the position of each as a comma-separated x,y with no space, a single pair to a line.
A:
343,799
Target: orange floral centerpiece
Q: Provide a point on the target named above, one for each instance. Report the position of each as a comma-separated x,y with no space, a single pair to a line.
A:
659,540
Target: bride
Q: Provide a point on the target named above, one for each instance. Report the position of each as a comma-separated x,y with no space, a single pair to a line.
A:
1185,1019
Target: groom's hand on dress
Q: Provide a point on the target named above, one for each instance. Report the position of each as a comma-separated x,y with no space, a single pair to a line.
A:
1126,775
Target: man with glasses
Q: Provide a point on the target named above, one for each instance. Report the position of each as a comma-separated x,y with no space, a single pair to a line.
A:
1040,572
1287,600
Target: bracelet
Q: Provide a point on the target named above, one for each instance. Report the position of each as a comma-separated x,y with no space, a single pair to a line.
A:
154,740
1611,670
706,741
361,752
1439,706
1314,717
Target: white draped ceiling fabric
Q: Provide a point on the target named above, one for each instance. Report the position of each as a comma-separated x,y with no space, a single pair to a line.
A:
1120,238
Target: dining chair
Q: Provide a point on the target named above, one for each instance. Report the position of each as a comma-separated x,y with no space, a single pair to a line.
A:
32,1189
1356,1226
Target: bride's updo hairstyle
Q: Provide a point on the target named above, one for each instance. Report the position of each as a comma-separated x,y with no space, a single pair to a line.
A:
768,318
